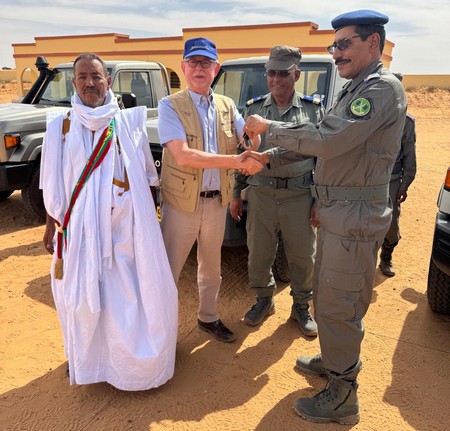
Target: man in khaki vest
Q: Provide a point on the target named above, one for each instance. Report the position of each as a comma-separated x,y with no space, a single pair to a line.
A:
199,132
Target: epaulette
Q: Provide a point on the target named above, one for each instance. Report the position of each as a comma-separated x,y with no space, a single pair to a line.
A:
313,99
255,99
372,76
411,116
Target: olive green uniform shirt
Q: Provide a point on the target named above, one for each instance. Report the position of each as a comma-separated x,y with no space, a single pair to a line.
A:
356,144
300,110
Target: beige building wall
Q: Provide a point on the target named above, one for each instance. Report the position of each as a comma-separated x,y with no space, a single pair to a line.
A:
8,75
232,42
411,82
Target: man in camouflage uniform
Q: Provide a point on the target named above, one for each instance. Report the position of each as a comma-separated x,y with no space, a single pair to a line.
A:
279,200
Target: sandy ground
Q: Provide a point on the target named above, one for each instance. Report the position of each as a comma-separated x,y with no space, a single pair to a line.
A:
249,384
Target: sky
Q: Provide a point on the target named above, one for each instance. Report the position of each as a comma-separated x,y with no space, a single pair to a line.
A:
419,29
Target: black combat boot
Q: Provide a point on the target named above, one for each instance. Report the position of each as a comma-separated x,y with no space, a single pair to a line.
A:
337,402
264,307
305,322
386,261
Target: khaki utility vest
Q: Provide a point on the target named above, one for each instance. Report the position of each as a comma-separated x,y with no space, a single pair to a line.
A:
181,186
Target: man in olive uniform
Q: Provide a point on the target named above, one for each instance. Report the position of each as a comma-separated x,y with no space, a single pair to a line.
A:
356,145
403,175
279,199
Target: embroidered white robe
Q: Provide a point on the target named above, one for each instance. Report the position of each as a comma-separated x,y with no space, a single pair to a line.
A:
117,301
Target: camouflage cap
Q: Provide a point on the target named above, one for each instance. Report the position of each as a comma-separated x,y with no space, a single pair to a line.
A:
283,57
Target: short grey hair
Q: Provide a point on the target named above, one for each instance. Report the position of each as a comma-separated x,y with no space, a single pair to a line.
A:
90,56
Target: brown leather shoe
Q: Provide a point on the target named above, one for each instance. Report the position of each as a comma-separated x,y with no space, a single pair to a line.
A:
218,330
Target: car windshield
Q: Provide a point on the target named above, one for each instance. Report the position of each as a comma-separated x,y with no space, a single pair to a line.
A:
60,88
244,82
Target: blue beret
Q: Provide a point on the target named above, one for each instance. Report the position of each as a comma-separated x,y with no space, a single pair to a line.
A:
359,17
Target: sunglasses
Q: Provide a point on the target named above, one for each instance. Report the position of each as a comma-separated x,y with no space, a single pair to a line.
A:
205,64
280,73
341,45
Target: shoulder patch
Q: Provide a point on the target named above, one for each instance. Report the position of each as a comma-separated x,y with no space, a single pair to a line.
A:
360,107
372,76
316,99
411,117
255,99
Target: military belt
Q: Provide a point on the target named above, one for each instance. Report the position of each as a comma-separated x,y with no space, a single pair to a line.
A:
366,193
286,183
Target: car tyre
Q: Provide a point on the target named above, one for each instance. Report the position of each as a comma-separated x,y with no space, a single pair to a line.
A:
32,197
438,290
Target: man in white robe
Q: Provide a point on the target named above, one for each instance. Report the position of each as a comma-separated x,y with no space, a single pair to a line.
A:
117,300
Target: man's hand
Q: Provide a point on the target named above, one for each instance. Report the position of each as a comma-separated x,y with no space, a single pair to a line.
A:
249,165
49,234
236,208
262,158
313,219
256,125
402,195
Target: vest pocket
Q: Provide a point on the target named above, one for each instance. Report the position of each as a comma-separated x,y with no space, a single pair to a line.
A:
191,140
179,183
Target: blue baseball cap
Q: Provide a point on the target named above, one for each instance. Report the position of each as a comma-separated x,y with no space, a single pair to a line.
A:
359,17
200,46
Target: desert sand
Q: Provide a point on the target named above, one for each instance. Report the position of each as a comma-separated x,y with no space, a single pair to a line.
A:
249,384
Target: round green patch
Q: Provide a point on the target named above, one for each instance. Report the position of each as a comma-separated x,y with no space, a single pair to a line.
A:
360,107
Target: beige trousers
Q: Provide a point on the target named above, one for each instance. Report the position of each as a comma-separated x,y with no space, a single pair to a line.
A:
207,227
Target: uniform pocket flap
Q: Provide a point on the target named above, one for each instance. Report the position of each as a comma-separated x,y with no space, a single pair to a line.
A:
342,281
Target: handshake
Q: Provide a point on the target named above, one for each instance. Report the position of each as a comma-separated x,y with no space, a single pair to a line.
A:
251,162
